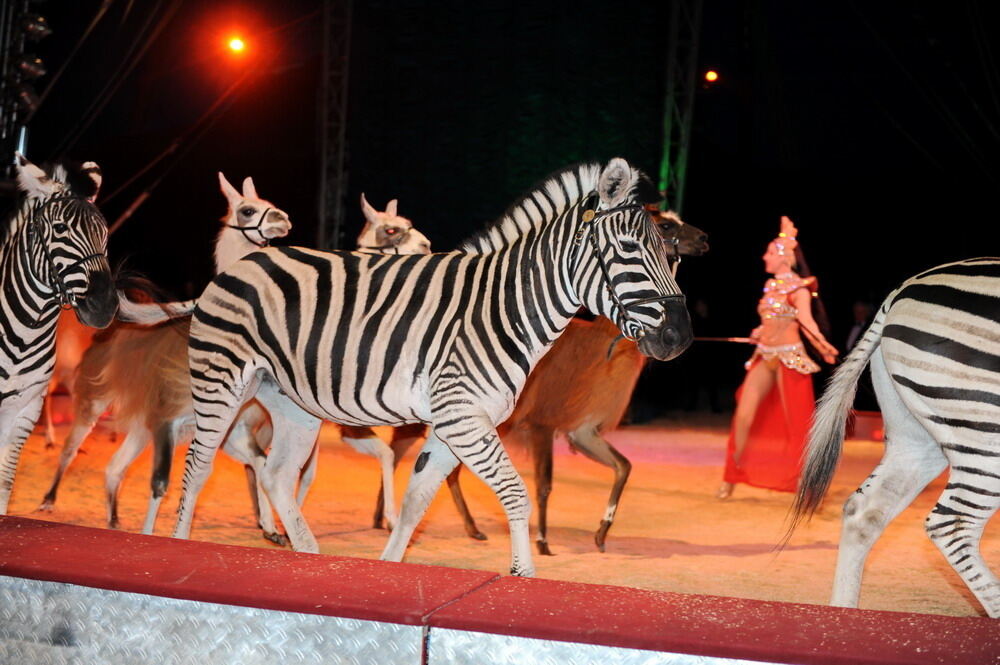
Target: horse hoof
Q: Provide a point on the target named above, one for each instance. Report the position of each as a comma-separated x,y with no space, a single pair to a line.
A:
279,539
602,534
477,535
543,548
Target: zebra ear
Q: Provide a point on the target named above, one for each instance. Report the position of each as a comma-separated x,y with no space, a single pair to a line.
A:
390,208
229,191
32,179
249,191
370,213
616,182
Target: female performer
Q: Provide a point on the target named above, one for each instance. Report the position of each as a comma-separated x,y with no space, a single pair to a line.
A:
774,405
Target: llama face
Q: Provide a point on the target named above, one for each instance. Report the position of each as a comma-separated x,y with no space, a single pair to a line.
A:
388,233
259,220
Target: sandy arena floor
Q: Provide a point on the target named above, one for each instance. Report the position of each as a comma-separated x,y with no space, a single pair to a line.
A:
671,533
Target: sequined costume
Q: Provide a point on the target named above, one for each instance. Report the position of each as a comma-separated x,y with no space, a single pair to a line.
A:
773,451
774,305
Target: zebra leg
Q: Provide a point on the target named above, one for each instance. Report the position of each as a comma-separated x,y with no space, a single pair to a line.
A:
135,440
956,524
377,448
461,506
295,435
912,459
243,446
17,420
475,442
402,438
163,456
433,464
86,413
308,474
589,442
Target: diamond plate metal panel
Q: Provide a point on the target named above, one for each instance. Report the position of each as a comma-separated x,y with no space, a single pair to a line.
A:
45,623
461,647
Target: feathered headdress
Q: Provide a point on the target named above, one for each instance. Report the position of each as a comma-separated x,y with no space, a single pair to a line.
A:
786,242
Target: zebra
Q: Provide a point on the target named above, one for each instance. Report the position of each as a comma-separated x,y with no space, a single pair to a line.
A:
52,256
326,335
934,349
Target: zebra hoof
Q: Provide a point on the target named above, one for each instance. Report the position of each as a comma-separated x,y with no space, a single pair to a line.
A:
518,571
543,548
279,539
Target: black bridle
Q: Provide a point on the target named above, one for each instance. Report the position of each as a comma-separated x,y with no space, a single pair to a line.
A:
631,329
245,230
63,296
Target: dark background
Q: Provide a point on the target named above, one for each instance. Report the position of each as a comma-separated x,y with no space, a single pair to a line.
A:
873,125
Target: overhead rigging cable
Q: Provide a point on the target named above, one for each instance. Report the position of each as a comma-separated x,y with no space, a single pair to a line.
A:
98,15
130,60
930,98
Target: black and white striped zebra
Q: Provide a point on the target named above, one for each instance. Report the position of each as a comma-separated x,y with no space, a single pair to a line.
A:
52,255
446,339
934,349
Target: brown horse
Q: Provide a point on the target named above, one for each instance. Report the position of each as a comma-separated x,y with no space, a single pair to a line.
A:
581,387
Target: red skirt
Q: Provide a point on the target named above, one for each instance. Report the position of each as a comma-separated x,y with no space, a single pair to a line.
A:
772,457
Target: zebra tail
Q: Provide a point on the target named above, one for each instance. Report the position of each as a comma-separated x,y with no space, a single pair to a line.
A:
152,313
826,436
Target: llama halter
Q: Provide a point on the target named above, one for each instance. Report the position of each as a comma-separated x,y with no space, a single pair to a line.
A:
395,240
63,296
245,230
632,329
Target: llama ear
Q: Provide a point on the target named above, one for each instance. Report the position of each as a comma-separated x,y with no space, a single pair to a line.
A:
615,183
249,191
390,208
228,190
93,171
370,213
33,180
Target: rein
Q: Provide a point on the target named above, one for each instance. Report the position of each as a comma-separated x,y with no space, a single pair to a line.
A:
633,330
65,299
245,230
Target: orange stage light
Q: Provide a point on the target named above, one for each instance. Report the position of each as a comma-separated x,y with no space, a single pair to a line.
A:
237,45
711,76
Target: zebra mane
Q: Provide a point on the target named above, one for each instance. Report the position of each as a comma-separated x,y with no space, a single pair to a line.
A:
544,203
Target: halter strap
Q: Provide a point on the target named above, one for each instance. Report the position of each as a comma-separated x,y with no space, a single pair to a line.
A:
245,230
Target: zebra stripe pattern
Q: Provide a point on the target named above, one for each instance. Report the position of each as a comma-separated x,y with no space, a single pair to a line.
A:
934,350
444,339
52,253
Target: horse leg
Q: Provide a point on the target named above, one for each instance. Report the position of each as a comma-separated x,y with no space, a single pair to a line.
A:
17,420
295,434
956,524
135,440
50,430
912,459
363,440
164,438
539,439
461,506
589,442
86,413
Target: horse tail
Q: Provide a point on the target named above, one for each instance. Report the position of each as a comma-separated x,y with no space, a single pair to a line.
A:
826,437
